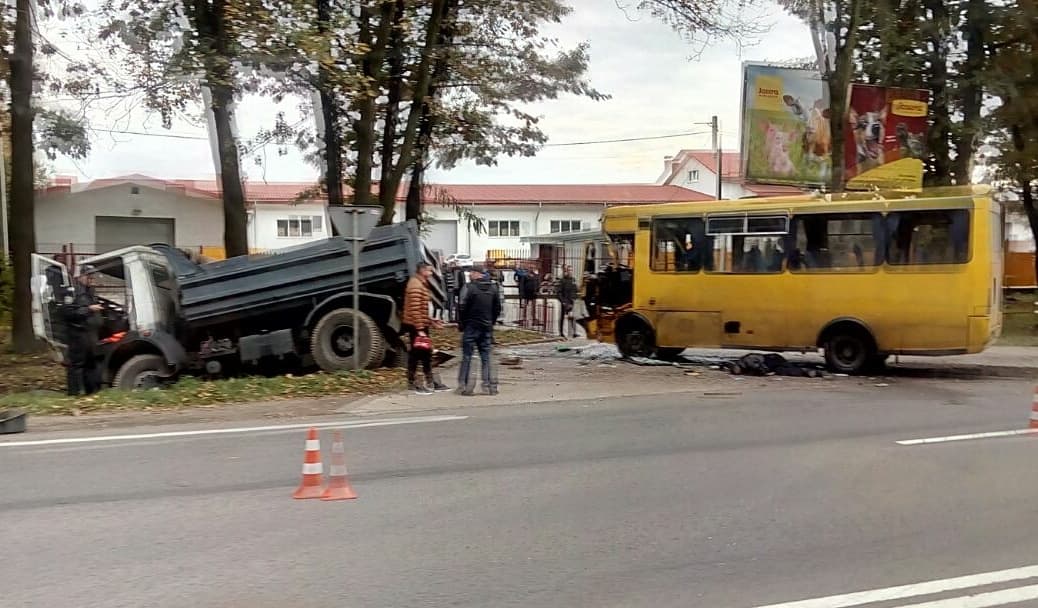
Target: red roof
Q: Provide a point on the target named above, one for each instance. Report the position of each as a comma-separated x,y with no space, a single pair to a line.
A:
288,192
731,162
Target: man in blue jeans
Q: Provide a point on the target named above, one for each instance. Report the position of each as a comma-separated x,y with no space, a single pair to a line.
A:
478,310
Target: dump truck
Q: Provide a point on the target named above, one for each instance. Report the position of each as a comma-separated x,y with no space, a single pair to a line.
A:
166,315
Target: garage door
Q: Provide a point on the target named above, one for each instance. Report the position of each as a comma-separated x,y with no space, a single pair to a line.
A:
117,232
442,236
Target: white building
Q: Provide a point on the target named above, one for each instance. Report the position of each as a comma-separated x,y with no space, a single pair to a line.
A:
107,214
697,170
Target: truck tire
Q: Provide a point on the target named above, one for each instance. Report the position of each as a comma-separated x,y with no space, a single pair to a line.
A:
140,372
332,348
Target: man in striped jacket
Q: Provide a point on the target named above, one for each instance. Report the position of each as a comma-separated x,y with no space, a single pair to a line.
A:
416,322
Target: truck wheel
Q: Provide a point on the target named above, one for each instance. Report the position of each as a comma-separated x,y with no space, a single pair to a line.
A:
141,372
332,341
395,357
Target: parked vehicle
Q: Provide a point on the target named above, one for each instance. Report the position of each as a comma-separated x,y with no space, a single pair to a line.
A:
166,315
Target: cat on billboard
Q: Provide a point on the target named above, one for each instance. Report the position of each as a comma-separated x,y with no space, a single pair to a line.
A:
886,128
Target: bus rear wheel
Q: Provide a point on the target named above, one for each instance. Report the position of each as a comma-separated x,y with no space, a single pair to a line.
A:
849,351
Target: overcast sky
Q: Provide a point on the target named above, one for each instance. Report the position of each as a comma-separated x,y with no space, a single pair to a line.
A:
656,90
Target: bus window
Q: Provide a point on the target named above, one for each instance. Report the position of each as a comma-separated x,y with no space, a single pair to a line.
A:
680,245
928,237
838,241
753,254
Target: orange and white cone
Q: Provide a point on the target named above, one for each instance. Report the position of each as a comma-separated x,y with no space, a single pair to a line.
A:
339,487
1034,412
310,487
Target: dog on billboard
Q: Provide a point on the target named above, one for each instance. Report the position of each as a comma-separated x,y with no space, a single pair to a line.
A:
869,131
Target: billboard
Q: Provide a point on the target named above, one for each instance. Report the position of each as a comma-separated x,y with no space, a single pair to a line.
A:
885,137
786,137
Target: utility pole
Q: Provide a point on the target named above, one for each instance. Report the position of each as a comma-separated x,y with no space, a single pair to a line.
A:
5,246
715,130
714,126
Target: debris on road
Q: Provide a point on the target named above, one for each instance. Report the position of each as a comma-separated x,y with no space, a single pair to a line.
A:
771,364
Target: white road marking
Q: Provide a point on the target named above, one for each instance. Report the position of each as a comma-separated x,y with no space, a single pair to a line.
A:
918,589
971,436
984,600
345,424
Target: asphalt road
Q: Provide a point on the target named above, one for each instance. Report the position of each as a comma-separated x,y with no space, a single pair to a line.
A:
720,500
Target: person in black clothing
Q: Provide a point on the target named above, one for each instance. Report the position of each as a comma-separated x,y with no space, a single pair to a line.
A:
529,284
83,318
478,310
567,294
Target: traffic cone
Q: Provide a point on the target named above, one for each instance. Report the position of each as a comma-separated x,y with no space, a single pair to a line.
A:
310,487
339,487
1034,412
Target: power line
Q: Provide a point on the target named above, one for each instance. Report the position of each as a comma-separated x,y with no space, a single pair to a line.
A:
146,134
626,139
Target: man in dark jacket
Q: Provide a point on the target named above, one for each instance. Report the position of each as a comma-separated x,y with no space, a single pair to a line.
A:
567,294
478,310
83,318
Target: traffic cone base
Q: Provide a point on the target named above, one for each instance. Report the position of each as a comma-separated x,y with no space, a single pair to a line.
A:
310,486
339,487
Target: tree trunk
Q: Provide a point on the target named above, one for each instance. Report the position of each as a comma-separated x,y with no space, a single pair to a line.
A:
364,125
426,125
413,206
972,90
1027,198
235,219
395,90
22,212
839,82
423,80
210,22
332,135
939,135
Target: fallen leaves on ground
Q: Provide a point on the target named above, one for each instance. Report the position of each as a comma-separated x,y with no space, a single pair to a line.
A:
192,392
36,383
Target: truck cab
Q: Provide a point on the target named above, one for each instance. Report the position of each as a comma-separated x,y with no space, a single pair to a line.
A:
136,288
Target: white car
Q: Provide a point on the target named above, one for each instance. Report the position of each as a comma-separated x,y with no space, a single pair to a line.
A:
463,260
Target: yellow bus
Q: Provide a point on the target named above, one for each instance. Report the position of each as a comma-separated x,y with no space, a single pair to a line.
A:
861,276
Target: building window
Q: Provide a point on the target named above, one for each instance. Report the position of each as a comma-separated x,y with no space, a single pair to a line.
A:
504,228
135,190
693,176
565,226
300,226
928,237
840,241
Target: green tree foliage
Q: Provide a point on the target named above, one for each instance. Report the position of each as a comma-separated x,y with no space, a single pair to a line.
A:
58,132
173,46
1014,80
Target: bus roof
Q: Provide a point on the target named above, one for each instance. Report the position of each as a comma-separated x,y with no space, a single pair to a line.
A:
804,202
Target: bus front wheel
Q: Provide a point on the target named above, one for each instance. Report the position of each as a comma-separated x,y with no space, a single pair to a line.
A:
849,351
634,339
